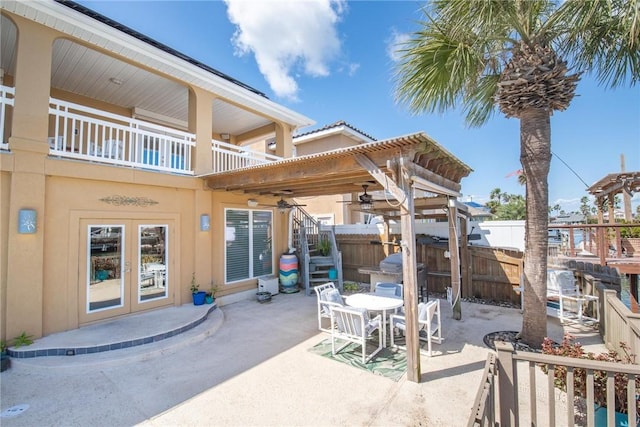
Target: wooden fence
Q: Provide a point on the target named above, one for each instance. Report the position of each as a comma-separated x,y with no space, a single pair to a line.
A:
492,274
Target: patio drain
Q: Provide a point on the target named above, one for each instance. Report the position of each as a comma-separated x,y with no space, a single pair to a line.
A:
14,411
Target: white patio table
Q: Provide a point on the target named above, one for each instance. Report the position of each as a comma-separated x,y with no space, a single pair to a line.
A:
374,302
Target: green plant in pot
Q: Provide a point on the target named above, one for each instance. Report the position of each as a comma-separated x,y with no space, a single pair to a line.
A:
5,362
198,295
324,246
211,293
570,348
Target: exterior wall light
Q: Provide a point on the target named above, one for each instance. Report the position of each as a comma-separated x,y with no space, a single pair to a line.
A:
27,221
205,222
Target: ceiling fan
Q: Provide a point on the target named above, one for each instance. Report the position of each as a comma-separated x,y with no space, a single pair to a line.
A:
283,204
365,200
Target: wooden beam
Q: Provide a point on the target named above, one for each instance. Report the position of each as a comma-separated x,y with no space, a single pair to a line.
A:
432,177
387,183
454,258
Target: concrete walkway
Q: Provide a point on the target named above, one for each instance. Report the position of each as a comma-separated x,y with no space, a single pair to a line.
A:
256,370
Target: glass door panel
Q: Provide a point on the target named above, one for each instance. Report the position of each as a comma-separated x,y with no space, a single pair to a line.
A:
152,262
105,281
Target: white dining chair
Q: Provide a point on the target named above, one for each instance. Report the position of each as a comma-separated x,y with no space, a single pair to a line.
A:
327,296
429,324
354,326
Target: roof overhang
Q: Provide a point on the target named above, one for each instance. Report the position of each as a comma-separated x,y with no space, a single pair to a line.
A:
339,172
80,26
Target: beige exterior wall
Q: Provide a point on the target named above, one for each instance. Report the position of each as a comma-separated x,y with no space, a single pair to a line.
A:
330,142
40,283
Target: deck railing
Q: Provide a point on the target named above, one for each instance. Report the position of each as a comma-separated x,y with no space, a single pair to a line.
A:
601,240
7,94
618,324
85,133
227,157
517,374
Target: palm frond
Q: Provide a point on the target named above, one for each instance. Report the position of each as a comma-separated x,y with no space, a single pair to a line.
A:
479,106
603,38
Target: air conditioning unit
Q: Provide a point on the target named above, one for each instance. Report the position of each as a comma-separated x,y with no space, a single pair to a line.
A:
268,284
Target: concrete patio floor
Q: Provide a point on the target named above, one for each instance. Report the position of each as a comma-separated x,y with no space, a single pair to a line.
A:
248,364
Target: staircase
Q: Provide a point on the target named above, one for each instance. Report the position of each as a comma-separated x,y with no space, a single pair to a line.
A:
315,267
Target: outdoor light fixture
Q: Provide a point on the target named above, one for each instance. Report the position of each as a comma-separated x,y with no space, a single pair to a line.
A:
365,206
225,136
27,221
252,203
116,81
205,222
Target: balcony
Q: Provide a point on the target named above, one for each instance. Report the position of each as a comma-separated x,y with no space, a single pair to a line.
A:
84,133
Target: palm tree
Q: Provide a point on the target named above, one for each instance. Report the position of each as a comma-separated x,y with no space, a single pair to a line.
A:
512,56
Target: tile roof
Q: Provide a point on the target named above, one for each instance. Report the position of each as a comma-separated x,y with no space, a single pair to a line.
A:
339,123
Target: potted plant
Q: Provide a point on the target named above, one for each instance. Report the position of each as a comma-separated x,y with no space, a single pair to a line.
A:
5,362
324,246
198,295
211,294
570,348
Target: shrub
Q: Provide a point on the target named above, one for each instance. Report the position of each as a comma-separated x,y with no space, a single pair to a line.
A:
570,348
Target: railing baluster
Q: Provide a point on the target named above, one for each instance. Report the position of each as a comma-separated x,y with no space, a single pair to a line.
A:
533,411
570,395
551,394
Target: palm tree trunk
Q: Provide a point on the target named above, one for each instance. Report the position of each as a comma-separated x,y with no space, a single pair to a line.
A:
535,156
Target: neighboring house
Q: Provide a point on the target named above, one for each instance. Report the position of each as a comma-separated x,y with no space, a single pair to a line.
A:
333,209
478,212
570,219
105,136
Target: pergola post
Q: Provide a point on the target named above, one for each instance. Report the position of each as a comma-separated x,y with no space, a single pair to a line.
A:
409,271
454,258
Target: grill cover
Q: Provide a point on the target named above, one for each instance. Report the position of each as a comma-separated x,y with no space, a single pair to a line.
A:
392,263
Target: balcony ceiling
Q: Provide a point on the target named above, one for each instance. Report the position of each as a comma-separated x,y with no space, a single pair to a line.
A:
87,72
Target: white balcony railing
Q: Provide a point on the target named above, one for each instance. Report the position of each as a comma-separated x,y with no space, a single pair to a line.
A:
86,133
7,95
228,157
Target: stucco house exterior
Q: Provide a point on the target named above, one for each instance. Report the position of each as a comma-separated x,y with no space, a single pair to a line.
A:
104,136
129,172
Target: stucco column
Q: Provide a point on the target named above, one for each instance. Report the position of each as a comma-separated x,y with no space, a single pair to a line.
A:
284,141
201,123
28,144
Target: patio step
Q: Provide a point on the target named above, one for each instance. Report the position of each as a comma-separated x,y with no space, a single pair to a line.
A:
126,332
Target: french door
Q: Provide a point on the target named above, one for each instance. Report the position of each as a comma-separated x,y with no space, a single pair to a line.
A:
124,267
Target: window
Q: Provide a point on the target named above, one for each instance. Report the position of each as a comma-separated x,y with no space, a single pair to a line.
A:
249,247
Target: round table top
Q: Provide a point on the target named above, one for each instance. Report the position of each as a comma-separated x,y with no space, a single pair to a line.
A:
371,301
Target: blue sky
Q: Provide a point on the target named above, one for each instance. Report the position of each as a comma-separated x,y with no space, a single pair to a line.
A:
332,61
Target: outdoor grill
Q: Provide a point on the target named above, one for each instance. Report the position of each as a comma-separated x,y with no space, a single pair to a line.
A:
389,270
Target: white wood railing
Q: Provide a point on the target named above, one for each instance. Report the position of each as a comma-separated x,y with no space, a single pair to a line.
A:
7,94
227,157
86,133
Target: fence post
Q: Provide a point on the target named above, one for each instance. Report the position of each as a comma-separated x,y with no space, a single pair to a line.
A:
507,384
605,313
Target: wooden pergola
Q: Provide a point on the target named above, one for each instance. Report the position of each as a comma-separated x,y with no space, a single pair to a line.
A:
605,191
399,166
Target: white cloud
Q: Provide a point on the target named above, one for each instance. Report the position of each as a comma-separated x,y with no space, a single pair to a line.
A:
394,43
287,36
